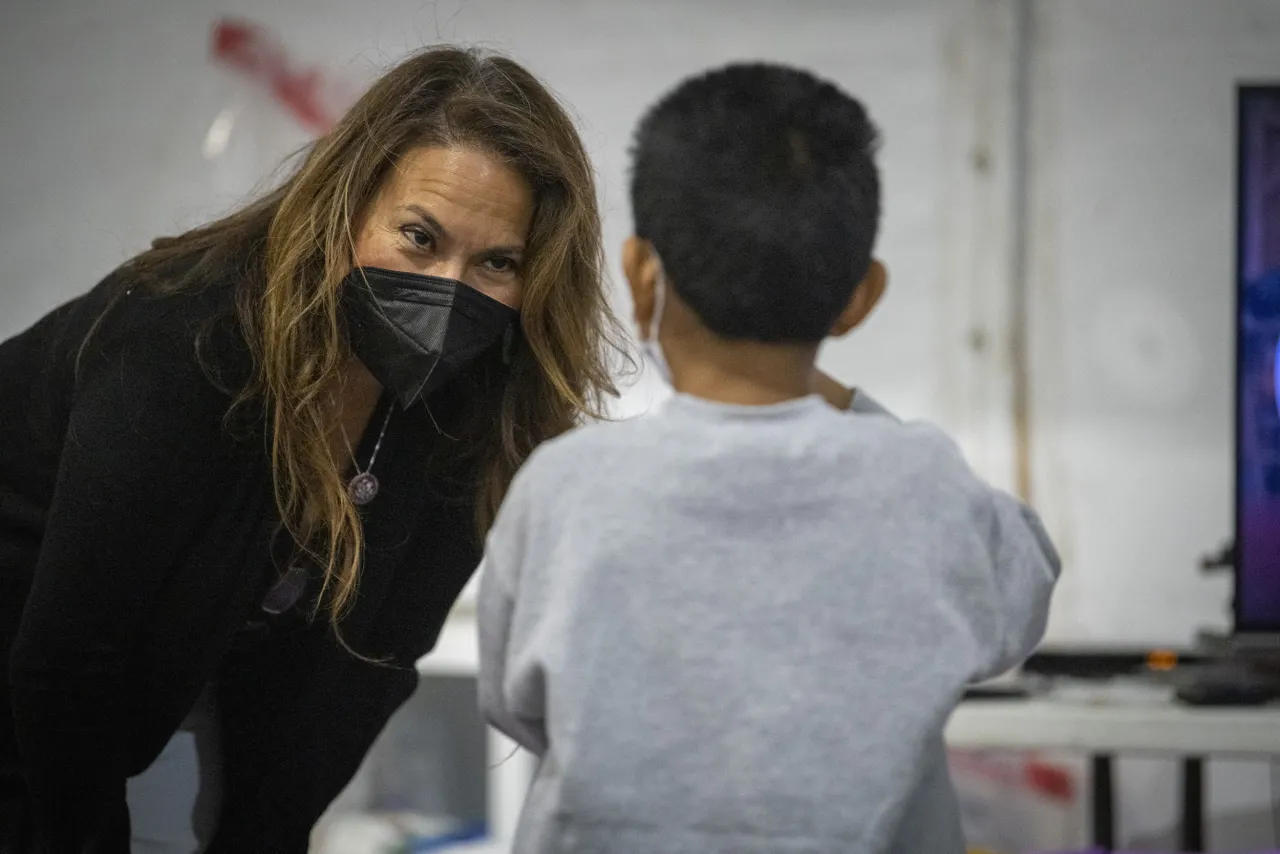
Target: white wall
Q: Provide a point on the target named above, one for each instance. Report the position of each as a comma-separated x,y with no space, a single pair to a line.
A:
1131,260
1133,183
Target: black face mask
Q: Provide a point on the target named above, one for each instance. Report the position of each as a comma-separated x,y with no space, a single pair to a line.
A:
414,332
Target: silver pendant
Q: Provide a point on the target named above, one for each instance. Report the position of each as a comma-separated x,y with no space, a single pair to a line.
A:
362,488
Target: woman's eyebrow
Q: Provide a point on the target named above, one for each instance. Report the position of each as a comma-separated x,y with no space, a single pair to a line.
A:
514,249
425,216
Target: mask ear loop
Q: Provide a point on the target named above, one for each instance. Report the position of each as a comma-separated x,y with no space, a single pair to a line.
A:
649,344
659,304
436,423
508,353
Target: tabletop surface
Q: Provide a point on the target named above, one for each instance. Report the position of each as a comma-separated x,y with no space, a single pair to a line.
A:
1086,717
1116,718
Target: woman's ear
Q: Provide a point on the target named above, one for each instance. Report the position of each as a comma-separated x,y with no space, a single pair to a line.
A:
864,300
640,265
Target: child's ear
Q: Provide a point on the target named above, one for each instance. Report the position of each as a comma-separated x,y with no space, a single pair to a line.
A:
865,297
640,265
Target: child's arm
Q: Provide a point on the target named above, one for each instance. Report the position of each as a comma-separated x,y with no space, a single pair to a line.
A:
514,706
1025,565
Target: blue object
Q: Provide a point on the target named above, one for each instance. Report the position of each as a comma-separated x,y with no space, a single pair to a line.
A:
467,833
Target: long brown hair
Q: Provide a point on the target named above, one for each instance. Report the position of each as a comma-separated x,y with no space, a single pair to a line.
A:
290,251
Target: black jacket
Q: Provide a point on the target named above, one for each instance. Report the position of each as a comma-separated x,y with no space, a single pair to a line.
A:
138,536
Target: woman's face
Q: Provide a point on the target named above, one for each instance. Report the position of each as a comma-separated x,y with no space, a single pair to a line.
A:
452,212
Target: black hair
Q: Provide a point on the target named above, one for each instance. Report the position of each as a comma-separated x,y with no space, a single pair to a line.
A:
756,185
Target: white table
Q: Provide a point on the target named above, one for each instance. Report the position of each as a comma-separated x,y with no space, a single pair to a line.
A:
1105,721
1098,720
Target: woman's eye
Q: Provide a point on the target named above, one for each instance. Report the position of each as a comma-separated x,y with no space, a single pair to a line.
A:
418,236
499,264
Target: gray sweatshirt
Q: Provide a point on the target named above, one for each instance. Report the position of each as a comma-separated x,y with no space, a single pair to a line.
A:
740,630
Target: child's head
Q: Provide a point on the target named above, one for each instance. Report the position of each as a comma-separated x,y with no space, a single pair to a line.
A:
756,203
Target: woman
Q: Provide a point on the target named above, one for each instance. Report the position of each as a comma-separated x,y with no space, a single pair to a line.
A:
243,480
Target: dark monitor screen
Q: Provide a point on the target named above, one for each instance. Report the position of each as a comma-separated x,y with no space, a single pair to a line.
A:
1257,600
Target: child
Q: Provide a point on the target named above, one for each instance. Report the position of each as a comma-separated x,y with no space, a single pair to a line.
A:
738,626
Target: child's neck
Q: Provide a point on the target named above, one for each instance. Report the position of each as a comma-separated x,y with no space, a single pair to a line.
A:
745,373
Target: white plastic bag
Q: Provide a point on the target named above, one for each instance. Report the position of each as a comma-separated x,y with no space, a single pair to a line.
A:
271,106
1012,803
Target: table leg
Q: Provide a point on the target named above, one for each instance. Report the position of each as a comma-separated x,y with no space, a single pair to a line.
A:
1104,821
1193,803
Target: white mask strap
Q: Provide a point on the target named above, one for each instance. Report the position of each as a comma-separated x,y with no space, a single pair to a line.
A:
659,303
651,346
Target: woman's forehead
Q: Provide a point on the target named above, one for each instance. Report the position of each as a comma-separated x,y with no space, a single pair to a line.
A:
462,189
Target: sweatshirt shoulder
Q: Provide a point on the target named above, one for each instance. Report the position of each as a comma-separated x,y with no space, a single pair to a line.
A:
914,452
922,441
581,444
583,451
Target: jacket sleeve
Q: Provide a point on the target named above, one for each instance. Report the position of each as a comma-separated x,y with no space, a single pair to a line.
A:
510,684
1023,570
143,460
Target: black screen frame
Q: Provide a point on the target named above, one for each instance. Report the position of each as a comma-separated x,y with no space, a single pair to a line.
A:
1243,92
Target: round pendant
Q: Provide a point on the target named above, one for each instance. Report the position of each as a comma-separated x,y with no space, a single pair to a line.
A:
363,488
